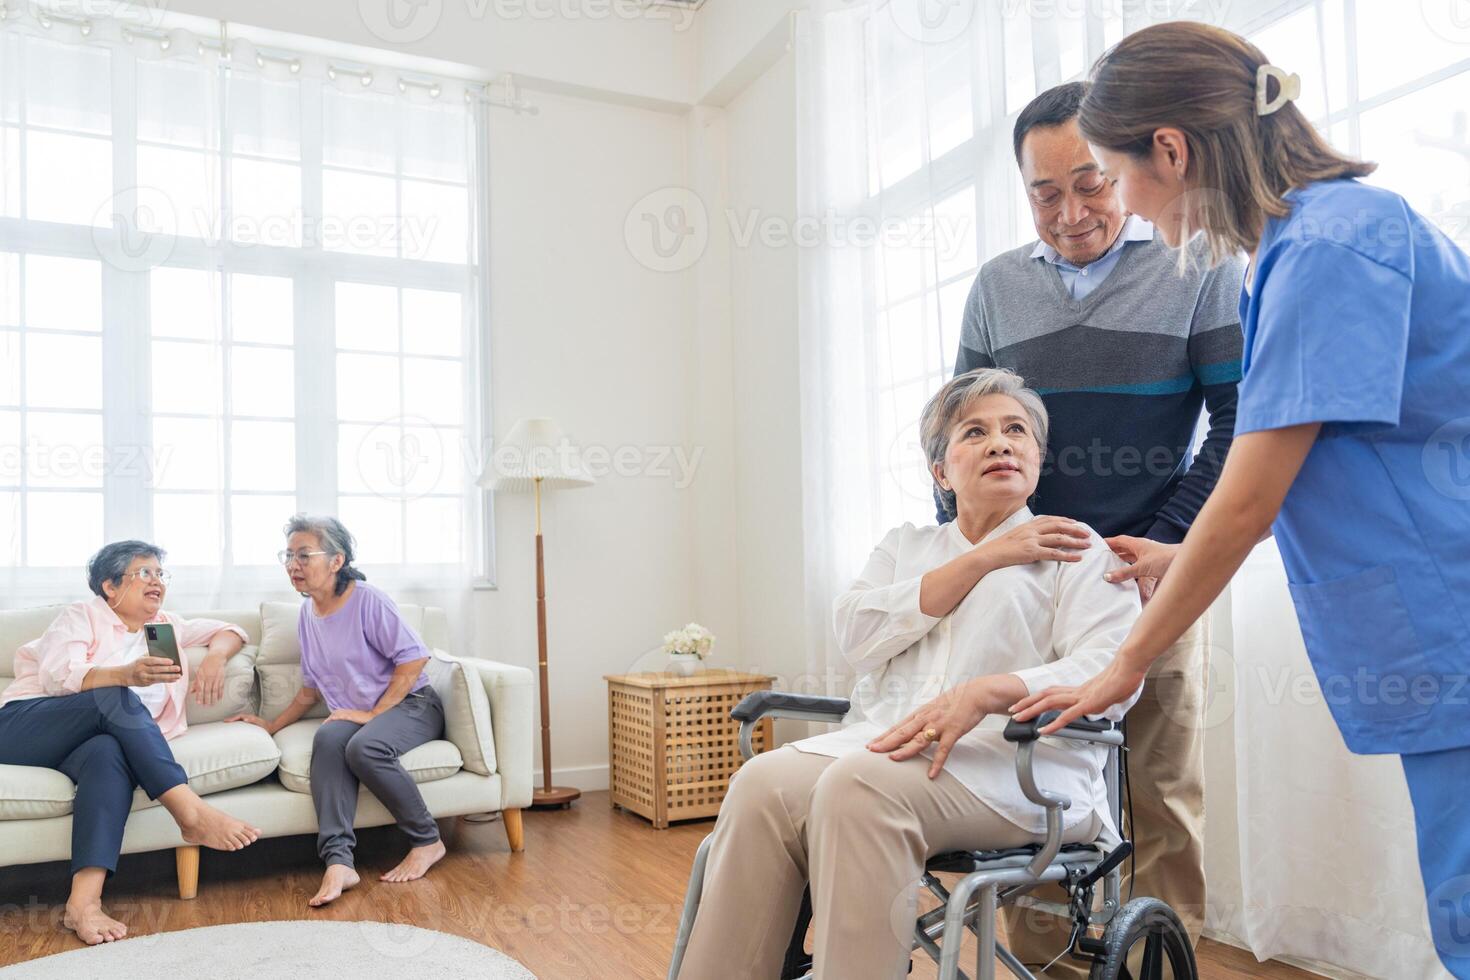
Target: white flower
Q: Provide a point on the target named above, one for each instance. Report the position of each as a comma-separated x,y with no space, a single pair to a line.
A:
693,638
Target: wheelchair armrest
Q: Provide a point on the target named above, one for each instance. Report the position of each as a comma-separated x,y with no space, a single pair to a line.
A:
1026,734
778,704
1082,730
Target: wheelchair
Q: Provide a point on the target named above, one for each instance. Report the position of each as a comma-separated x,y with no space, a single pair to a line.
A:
1141,940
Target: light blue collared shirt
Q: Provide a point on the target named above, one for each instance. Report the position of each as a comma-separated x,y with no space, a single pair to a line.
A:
1082,280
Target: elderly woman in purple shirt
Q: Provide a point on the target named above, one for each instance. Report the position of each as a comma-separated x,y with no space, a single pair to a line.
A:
358,654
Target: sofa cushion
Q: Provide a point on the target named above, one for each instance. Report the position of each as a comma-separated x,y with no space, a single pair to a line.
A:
278,663
31,793
438,759
466,711
19,627
220,756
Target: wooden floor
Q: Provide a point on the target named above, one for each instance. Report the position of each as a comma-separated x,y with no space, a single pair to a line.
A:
596,893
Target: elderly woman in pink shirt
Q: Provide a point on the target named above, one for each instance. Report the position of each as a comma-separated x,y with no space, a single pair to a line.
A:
89,701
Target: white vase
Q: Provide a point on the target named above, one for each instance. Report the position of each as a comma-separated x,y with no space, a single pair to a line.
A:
684,664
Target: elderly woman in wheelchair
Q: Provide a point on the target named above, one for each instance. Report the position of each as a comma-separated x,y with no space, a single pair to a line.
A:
945,628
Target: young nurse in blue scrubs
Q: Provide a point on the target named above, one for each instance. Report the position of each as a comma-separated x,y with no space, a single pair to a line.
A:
1352,438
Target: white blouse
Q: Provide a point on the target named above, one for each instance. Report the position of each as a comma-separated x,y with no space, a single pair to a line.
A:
1047,622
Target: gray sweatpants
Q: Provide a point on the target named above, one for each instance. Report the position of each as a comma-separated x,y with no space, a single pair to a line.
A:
344,754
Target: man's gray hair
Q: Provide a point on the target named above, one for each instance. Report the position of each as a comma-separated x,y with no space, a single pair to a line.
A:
335,540
951,402
111,563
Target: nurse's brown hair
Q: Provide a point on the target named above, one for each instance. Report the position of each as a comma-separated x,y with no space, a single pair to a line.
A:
1201,80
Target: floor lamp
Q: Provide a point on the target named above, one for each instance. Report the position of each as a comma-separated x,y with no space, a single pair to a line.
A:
536,457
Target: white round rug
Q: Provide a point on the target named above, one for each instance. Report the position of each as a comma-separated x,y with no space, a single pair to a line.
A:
282,951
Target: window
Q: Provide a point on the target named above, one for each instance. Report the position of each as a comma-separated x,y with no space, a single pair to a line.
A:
232,288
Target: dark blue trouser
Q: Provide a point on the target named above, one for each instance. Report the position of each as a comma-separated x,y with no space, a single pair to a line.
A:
1438,783
106,743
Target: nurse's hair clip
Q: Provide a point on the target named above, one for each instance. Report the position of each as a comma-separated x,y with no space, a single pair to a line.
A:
1289,87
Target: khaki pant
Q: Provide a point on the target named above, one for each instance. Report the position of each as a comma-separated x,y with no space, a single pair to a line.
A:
859,828
1166,762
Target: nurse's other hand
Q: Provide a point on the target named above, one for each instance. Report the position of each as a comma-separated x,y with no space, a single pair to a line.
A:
1115,683
942,721
1147,560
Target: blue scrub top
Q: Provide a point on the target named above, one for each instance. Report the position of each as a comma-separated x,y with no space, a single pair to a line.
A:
1359,318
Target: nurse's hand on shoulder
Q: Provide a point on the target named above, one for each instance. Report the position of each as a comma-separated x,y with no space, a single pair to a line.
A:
1147,560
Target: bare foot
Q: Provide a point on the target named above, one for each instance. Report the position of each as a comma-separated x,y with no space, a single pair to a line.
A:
418,861
338,878
216,829
92,925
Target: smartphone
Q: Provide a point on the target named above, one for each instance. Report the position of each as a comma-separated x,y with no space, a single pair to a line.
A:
161,642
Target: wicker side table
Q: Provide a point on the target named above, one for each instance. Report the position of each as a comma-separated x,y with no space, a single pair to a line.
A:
672,742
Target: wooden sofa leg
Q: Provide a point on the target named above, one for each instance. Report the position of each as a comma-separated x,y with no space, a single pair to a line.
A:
513,833
186,859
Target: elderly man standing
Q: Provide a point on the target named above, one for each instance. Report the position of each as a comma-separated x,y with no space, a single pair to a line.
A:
1124,349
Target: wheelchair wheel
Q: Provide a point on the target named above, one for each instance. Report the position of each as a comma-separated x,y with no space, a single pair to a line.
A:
1145,941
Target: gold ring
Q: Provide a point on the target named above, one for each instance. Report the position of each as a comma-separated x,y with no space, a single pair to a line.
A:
929,734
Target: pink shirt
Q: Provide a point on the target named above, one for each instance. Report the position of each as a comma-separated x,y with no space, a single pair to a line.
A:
88,634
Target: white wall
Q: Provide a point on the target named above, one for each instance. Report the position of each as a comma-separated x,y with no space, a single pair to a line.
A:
582,332
767,409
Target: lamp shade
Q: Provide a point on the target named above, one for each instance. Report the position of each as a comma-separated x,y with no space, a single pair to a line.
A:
535,449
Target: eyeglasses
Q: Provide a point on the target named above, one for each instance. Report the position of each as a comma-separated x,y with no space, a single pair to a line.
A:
159,575
299,557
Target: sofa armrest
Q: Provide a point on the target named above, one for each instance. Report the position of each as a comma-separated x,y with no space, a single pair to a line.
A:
511,692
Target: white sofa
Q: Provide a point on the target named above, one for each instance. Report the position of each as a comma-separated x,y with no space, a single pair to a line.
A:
483,763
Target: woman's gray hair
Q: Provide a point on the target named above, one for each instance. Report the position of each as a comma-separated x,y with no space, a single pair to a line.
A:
950,403
111,563
335,539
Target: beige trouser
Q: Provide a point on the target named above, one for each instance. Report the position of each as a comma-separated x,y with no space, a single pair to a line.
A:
1166,762
859,828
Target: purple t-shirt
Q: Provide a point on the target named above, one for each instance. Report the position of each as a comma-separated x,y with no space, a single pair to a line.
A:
350,655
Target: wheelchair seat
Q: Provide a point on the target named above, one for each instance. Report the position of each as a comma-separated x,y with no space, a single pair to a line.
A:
964,862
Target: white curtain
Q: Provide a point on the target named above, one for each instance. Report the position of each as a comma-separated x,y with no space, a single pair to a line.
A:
906,109
236,282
